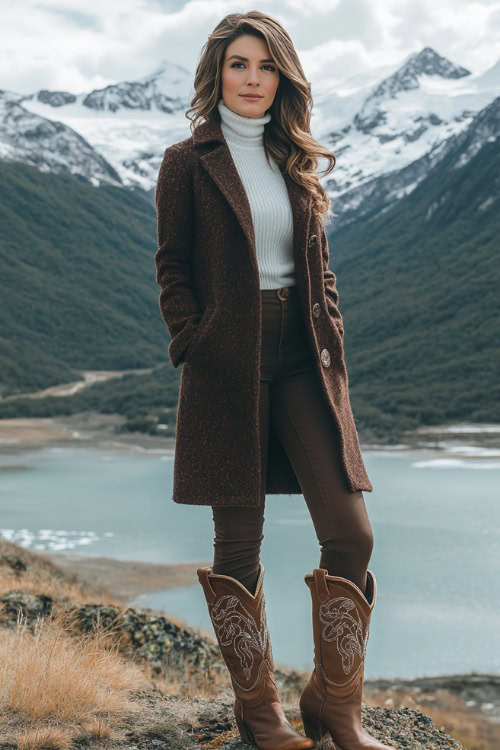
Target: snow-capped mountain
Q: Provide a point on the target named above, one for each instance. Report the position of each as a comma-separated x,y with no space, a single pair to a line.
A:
122,129
422,103
377,124
49,145
378,194
165,90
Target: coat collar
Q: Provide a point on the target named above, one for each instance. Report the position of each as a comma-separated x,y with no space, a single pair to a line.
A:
220,165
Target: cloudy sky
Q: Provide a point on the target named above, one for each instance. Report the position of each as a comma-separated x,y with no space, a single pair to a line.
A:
78,46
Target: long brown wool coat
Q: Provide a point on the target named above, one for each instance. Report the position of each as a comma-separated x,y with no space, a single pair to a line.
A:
206,265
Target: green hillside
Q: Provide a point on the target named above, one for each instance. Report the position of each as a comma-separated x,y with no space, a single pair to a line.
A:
78,279
419,295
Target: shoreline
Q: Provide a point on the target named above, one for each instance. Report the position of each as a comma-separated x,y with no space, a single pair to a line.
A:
88,429
97,431
125,579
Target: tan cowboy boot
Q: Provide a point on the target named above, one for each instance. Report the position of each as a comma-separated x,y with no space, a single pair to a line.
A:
239,620
331,700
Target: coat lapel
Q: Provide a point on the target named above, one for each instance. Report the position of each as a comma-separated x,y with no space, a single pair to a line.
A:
221,167
219,164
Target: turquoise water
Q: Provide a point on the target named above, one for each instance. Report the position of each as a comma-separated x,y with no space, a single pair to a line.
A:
436,557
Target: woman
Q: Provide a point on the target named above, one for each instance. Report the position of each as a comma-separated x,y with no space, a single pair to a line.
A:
251,306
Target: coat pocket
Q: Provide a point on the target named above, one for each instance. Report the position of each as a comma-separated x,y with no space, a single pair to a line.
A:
197,335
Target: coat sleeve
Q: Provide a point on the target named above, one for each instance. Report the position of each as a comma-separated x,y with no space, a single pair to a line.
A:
174,202
331,292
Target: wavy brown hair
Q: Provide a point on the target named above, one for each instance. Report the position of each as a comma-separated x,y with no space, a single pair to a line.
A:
287,136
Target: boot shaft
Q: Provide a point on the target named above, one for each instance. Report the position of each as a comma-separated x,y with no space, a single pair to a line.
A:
239,620
341,622
240,625
331,701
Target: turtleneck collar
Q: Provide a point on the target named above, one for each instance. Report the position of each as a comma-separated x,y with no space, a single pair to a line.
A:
243,131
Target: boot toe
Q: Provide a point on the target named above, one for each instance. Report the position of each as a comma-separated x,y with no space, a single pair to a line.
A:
295,741
298,743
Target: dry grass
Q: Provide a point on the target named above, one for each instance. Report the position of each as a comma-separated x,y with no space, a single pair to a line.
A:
46,738
43,577
183,683
52,680
57,684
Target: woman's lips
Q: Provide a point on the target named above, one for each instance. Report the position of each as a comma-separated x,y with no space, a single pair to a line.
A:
248,96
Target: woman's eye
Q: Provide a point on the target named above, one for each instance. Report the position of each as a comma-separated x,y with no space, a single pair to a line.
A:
271,67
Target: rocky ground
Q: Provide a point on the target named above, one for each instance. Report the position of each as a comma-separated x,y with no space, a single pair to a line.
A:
186,721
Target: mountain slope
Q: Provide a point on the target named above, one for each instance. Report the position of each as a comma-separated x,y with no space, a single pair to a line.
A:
377,195
78,279
419,293
49,145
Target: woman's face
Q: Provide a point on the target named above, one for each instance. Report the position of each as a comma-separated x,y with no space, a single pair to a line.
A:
248,69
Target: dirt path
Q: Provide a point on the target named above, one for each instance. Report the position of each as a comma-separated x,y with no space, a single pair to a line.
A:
69,389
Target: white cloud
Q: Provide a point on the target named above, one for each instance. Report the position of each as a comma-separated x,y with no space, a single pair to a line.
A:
56,44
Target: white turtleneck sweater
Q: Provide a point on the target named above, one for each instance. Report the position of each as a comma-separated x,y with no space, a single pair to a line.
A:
267,195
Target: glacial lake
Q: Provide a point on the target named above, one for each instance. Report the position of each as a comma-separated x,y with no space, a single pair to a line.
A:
436,523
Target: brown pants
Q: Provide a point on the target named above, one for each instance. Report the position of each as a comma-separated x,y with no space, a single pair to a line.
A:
291,397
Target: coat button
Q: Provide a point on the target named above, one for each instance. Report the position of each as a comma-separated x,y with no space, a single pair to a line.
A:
325,357
316,310
312,239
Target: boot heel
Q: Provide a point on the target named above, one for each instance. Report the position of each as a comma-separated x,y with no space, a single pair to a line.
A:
245,733
313,728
